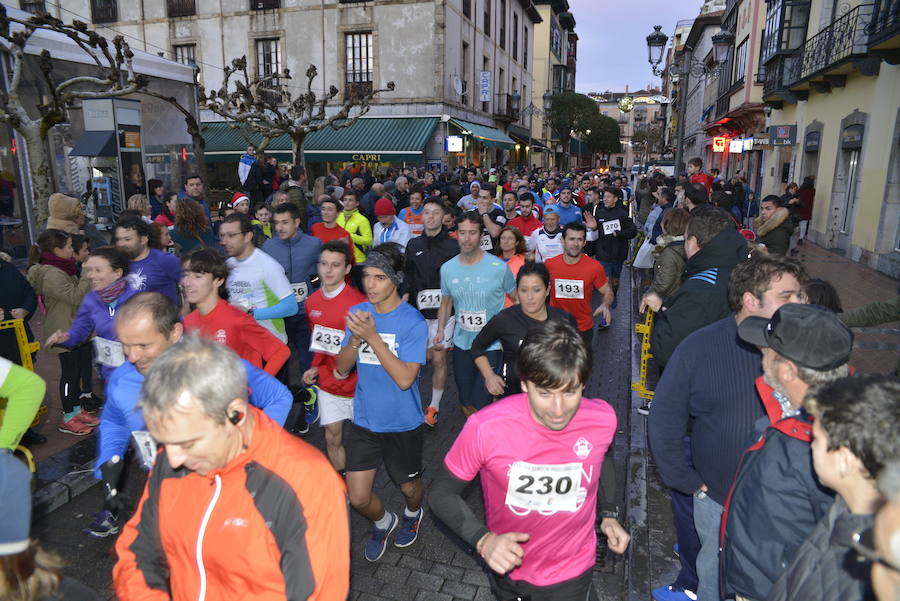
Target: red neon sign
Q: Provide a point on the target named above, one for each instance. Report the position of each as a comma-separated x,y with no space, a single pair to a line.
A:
719,144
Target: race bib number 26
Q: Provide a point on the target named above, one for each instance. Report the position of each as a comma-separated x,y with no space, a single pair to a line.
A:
544,487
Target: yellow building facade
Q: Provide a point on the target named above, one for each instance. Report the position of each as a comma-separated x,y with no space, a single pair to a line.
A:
834,98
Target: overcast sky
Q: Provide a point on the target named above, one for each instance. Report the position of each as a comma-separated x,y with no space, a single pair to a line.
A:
612,45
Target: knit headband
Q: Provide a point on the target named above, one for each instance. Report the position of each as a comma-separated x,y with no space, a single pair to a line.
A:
379,261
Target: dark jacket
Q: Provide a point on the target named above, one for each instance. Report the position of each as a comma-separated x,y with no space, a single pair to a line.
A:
703,296
657,226
424,257
15,293
774,504
299,256
825,567
670,259
776,232
613,247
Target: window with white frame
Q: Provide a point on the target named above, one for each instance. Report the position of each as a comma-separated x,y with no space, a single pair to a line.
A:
185,54
359,63
268,59
740,62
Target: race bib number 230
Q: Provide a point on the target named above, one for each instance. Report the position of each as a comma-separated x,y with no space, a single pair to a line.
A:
544,487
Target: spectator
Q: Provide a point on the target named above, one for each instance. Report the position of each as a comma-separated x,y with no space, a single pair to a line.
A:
773,227
669,254
140,204
157,192
194,190
65,213
874,314
696,175
191,229
166,214
856,432
695,195
806,195
821,292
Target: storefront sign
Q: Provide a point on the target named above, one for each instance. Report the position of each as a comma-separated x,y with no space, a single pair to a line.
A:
736,147
719,144
783,135
813,139
366,158
454,144
485,87
748,144
852,136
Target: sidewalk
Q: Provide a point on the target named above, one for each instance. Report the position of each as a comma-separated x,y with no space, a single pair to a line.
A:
856,285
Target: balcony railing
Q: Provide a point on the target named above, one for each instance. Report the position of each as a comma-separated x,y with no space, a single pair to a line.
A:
503,108
181,8
845,38
776,71
886,23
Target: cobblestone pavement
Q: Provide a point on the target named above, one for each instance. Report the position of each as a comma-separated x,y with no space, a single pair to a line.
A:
438,567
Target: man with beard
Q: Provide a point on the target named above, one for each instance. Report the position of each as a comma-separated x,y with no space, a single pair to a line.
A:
151,270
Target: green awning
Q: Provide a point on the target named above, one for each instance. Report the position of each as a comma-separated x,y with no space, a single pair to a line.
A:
488,136
370,139
373,140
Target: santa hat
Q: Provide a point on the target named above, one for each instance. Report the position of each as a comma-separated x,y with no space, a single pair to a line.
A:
237,199
383,207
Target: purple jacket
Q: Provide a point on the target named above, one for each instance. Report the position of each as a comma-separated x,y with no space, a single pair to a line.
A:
96,316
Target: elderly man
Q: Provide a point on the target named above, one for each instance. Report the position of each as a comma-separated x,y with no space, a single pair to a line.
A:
776,500
368,200
227,478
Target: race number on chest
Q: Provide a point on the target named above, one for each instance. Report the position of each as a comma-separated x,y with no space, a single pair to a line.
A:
569,288
301,291
543,487
326,340
109,352
429,299
471,321
367,355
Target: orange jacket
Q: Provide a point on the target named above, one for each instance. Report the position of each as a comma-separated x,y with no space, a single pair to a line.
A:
272,524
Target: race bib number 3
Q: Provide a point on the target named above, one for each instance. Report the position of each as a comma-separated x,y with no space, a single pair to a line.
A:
326,340
429,299
301,291
367,355
611,227
543,487
109,352
569,288
471,321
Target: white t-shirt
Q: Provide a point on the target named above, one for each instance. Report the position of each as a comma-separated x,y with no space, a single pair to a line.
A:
256,282
399,232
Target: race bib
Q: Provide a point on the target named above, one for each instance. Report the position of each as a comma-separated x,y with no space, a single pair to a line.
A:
326,340
543,487
429,299
553,249
367,355
146,448
611,227
301,291
569,288
487,243
109,352
471,321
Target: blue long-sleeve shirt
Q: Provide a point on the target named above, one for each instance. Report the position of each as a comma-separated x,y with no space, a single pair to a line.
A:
120,416
710,377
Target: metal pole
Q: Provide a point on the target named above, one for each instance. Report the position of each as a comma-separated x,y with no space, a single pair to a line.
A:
529,149
682,108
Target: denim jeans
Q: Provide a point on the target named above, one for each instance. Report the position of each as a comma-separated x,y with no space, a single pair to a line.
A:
707,520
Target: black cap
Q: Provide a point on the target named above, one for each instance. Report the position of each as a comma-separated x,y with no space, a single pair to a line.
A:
809,335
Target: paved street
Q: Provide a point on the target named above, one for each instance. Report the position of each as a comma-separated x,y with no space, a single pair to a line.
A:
437,567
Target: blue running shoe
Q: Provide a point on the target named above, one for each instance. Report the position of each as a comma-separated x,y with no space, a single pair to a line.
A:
312,405
409,529
670,593
376,545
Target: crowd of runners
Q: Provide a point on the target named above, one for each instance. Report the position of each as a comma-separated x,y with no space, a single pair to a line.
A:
221,342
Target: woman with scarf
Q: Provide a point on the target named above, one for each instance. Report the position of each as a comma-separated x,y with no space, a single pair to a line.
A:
52,273
105,269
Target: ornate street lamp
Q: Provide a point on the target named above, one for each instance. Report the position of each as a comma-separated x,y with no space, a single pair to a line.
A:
722,43
515,102
548,100
656,42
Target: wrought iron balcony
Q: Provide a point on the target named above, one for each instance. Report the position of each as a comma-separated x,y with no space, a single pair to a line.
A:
503,108
829,51
884,29
775,84
181,8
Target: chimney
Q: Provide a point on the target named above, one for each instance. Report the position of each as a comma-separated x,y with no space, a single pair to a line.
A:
626,88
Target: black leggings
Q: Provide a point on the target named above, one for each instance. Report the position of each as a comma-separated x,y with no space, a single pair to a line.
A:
73,364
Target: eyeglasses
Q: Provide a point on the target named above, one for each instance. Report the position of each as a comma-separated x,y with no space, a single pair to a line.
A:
863,542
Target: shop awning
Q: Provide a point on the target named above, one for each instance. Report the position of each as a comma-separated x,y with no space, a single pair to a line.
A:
488,136
371,139
95,144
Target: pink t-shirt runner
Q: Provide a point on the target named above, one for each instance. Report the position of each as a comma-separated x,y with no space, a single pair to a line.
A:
538,481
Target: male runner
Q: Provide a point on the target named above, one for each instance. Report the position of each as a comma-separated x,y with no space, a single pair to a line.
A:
356,224
568,211
328,229
475,283
147,325
526,222
203,282
386,341
425,255
327,310
256,282
573,278
150,270
412,215
542,456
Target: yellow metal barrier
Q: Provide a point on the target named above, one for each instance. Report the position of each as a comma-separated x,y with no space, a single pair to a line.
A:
644,330
25,350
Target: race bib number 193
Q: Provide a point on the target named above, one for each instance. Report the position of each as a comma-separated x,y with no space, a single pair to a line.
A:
544,487
569,288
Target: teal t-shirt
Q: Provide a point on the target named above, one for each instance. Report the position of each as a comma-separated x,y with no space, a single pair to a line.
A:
478,293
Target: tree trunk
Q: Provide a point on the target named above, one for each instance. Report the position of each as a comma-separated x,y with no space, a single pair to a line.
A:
199,145
39,169
297,140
